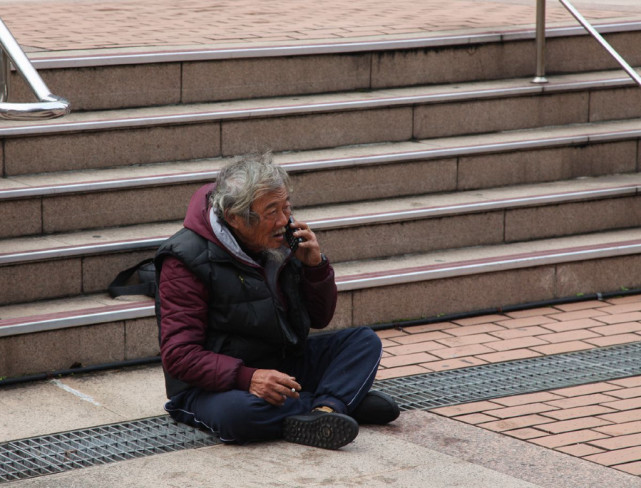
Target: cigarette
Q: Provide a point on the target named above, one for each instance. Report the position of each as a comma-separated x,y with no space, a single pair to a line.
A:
293,390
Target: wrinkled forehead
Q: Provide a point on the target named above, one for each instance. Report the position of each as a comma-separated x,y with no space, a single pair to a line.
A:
271,199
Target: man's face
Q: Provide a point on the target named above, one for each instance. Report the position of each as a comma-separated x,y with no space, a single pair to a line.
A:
273,209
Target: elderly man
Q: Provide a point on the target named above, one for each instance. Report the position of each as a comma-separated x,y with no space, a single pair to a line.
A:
235,307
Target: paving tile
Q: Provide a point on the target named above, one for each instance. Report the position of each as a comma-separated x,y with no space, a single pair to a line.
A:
465,408
481,319
574,424
526,322
455,363
466,340
389,333
568,438
580,401
573,413
475,418
624,300
573,391
514,423
628,404
520,332
413,348
623,417
394,361
518,343
617,329
424,337
515,400
627,382
582,305
614,340
563,347
632,468
525,434
384,374
618,442
620,456
620,317
457,352
532,312
623,307
620,429
475,329
579,450
417,329
577,315
521,410
571,335
584,323
514,355
388,343
626,392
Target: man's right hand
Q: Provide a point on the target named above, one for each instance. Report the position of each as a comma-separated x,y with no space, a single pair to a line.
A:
273,386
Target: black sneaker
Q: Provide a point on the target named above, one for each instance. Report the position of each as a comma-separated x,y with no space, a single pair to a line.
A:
376,408
320,429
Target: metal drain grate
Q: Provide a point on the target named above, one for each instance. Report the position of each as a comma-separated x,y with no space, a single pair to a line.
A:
56,453
117,442
431,390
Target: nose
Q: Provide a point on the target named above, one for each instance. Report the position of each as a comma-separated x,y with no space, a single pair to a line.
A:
283,218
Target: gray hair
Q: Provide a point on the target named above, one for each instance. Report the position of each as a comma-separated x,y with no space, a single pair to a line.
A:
241,182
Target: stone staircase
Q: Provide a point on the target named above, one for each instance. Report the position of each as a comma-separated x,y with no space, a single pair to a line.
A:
437,177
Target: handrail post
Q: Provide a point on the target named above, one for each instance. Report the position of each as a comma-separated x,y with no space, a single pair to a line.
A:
540,43
5,76
599,38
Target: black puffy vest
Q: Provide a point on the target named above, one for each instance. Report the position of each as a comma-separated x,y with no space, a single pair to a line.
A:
246,319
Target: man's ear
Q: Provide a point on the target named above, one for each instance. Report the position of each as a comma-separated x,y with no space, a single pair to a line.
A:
232,220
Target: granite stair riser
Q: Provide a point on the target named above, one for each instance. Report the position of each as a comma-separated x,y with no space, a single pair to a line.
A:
94,149
41,215
388,270
130,339
120,86
85,272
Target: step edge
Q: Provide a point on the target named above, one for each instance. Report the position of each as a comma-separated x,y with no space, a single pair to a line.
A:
345,221
488,265
352,282
47,60
186,117
324,164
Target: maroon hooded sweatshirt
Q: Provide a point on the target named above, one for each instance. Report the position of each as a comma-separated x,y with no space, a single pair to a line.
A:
183,305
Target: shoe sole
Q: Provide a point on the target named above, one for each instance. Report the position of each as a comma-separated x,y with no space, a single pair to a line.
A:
331,431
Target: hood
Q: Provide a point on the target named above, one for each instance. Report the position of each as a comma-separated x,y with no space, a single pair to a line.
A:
201,219
197,216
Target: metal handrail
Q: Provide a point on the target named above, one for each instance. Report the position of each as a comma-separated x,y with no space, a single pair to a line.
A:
48,105
540,42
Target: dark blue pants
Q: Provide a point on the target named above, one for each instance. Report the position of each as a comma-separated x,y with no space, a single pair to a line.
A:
337,370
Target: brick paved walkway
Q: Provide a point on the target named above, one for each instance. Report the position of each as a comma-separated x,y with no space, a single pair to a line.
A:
54,25
599,422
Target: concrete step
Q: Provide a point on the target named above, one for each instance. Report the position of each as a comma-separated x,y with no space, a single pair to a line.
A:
86,262
108,79
57,334
69,201
120,138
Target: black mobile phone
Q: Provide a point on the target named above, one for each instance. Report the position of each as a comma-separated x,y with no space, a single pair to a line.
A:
289,235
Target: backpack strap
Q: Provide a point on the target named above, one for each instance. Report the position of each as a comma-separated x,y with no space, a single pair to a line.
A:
146,286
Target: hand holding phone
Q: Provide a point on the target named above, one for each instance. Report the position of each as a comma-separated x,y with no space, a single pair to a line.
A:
289,235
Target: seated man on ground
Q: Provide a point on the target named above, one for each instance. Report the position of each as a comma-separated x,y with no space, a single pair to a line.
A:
235,305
